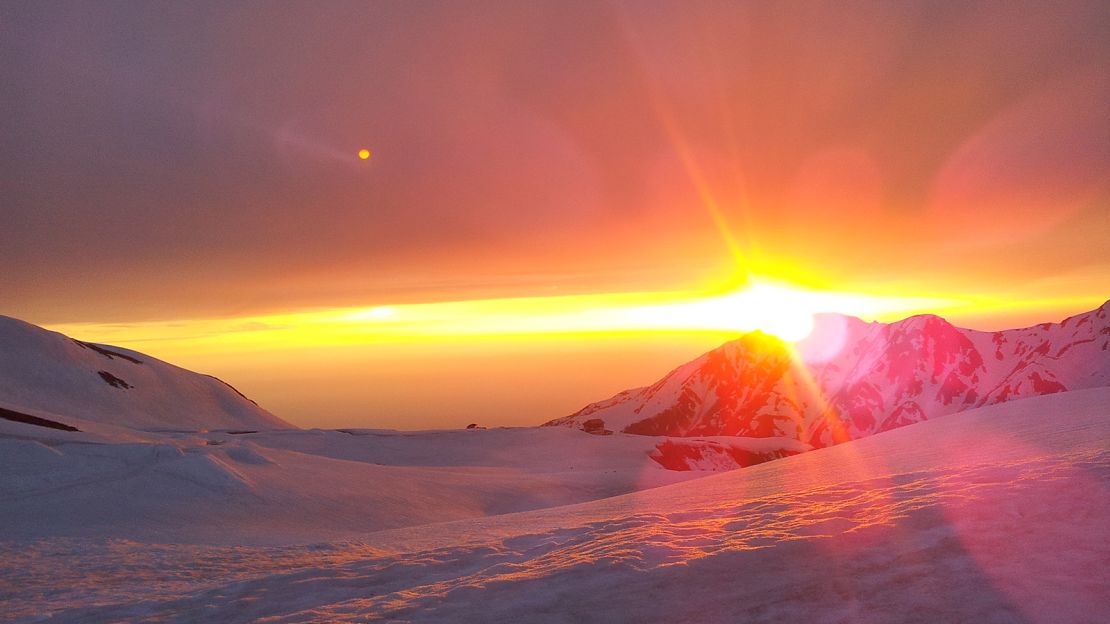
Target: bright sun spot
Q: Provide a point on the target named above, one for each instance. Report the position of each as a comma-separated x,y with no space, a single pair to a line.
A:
380,312
781,312
784,312
377,313
364,154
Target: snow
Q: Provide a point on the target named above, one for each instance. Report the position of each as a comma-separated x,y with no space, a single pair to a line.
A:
46,372
260,488
997,514
872,376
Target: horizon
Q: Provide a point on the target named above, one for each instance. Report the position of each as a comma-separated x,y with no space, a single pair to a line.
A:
661,352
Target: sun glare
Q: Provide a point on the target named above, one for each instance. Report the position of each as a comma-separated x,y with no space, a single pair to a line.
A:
779,309
783,312
780,312
380,312
364,154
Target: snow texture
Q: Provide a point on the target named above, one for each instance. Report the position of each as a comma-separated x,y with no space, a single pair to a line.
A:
48,375
998,514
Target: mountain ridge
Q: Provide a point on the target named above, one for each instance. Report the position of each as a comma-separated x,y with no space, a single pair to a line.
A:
45,373
851,379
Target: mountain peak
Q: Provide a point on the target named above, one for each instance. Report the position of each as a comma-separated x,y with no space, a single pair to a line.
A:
851,378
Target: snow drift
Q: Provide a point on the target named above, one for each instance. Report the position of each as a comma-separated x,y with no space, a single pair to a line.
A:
999,514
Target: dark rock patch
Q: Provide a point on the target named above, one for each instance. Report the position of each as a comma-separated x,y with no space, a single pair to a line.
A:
28,419
595,426
682,455
108,353
114,381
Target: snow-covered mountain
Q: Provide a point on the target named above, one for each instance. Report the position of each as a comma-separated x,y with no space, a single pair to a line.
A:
50,379
851,379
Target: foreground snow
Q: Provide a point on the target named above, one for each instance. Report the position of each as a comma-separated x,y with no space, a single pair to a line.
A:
1000,514
299,486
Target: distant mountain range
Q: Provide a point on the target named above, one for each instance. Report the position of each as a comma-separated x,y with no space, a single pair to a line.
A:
51,380
852,379
750,400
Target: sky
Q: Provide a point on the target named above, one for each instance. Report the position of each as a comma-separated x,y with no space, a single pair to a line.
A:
185,180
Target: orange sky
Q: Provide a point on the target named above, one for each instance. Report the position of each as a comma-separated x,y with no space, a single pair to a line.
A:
196,170
515,361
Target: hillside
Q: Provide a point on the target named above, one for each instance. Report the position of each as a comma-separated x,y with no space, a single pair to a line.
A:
47,376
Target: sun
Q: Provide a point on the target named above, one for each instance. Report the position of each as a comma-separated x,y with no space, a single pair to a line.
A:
380,312
785,312
779,311
364,154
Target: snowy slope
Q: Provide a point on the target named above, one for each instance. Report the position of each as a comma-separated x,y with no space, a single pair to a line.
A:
852,379
999,514
48,375
293,485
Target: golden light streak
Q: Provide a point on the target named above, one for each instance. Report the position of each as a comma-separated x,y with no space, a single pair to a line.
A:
774,308
429,364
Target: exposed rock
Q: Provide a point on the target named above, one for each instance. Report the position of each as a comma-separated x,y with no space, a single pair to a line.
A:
596,426
114,381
